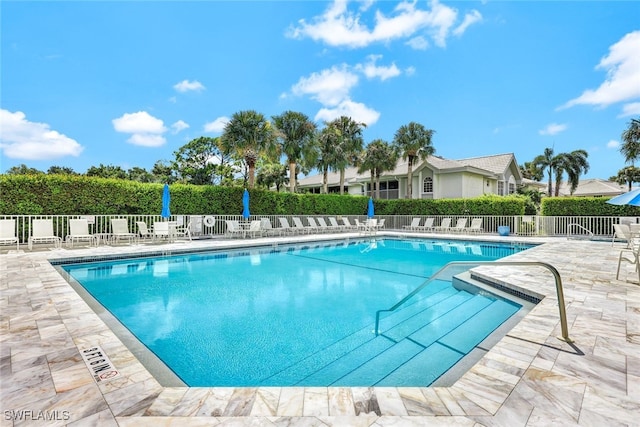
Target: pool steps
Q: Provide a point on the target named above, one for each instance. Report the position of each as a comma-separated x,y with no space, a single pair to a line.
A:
416,343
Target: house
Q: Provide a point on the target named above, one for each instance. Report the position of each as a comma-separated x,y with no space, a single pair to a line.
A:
433,178
593,187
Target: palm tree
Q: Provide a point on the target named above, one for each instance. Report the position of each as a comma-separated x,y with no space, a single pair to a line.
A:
574,164
347,135
324,154
250,135
378,158
628,176
412,142
630,147
295,133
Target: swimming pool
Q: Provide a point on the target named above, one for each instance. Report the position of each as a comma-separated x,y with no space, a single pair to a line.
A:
302,315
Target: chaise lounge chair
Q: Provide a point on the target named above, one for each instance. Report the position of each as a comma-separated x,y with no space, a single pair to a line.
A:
8,233
445,225
621,231
42,232
427,226
460,226
476,226
79,231
415,224
300,228
120,231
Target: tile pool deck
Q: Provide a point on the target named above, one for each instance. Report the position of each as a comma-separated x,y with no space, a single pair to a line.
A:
528,378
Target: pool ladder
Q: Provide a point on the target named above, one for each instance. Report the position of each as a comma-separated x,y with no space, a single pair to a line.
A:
470,264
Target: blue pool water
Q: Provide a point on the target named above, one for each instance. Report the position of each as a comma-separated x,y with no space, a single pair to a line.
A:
302,315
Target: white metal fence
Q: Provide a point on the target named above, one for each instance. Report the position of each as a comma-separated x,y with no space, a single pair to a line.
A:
214,225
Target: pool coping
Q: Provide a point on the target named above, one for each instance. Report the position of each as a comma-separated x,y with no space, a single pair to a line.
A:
45,340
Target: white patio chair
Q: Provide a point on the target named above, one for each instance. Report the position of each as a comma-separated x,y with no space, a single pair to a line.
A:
621,231
255,229
476,226
415,224
234,229
347,224
299,226
285,227
460,226
334,223
143,230
79,231
427,226
184,231
120,231
445,225
631,255
268,229
8,234
42,232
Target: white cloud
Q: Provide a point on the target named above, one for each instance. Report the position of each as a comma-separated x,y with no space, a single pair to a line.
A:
469,19
340,27
613,144
410,71
553,129
179,126
371,70
622,65
418,43
631,109
356,110
216,126
329,87
146,130
186,86
22,139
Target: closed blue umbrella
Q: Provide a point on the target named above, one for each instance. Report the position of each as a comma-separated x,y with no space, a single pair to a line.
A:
166,200
631,198
245,205
370,208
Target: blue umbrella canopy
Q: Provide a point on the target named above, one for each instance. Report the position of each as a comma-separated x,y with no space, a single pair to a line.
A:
166,200
370,212
631,198
245,204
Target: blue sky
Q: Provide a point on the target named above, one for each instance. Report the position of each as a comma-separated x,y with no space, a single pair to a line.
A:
128,83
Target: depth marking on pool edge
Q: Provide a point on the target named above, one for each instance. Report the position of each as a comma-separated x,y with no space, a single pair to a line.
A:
99,364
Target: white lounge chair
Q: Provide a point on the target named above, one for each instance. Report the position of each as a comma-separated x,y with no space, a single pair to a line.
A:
445,225
234,229
460,226
267,228
312,223
42,232
184,231
120,231
8,234
347,224
143,230
631,255
79,231
621,231
335,225
415,223
380,224
476,226
324,226
284,225
254,229
370,226
427,226
299,226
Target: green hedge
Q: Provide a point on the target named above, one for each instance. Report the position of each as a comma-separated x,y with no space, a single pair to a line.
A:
584,206
82,195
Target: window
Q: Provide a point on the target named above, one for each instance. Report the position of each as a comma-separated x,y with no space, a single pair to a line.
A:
427,185
512,188
501,188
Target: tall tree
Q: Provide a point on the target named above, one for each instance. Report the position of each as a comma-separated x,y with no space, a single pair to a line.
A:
347,135
163,172
23,169
378,157
61,170
412,142
295,133
250,135
530,171
107,171
272,174
627,176
630,147
198,161
573,164
139,174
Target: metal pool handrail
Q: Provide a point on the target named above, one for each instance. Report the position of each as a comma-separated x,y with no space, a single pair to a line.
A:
580,227
552,269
